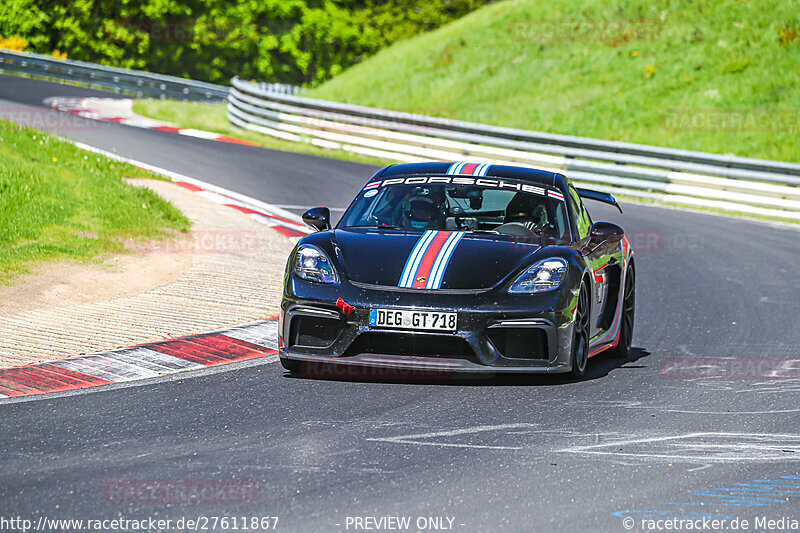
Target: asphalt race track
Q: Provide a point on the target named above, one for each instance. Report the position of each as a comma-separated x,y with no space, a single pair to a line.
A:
638,439
257,172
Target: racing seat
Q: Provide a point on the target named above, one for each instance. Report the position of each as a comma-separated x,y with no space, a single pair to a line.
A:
524,215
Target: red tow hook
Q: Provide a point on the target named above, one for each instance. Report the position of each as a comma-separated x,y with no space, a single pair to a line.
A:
345,307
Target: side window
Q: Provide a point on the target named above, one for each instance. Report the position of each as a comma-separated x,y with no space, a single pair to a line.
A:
582,220
586,215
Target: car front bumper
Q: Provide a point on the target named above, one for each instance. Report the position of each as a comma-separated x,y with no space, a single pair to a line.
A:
497,332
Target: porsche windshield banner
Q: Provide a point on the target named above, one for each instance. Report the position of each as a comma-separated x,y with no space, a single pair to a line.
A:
490,183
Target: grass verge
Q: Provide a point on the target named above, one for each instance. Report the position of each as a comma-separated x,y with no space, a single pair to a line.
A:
711,75
60,202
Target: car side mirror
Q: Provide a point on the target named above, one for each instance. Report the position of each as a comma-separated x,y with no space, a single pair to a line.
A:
605,232
318,218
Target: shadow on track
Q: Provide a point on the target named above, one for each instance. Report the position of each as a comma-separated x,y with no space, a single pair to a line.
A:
599,366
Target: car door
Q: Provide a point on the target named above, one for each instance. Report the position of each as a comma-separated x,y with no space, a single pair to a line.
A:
605,271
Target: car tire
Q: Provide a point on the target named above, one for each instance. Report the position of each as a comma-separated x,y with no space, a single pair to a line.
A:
291,365
580,336
623,349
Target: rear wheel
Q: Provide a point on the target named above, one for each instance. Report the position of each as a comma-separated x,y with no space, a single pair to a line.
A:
580,337
622,349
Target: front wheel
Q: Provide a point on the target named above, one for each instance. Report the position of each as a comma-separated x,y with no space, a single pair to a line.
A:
291,365
621,350
580,337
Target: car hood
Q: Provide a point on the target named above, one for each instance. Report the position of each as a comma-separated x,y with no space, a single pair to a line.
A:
379,257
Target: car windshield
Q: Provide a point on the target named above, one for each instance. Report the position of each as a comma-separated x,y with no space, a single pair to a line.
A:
513,207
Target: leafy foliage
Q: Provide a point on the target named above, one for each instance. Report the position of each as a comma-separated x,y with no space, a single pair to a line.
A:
292,41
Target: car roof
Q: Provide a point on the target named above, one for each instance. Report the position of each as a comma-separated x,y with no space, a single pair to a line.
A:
543,177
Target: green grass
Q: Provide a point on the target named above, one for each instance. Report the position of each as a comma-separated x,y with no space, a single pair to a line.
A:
60,202
661,72
214,117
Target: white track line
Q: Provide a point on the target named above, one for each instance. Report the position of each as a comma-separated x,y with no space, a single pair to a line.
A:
175,176
412,439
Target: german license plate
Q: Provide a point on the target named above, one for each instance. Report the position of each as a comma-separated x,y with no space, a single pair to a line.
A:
411,319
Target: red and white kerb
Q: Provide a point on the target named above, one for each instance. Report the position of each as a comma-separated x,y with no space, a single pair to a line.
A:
150,360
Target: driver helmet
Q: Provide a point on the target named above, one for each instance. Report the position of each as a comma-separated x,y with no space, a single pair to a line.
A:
423,208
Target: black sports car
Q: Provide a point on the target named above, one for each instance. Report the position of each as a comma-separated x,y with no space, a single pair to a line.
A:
460,267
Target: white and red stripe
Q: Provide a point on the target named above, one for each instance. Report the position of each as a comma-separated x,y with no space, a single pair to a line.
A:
469,169
442,260
599,276
250,341
284,222
93,108
288,228
428,261
556,195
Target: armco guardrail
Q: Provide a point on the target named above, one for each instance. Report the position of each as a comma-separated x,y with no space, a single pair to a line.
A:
728,183
134,82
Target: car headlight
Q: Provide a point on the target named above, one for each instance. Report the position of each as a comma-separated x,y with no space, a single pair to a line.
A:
545,275
312,264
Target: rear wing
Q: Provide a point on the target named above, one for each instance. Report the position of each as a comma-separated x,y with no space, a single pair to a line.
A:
604,197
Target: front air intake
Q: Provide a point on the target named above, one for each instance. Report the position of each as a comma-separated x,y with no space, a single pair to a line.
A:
520,343
420,345
314,332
